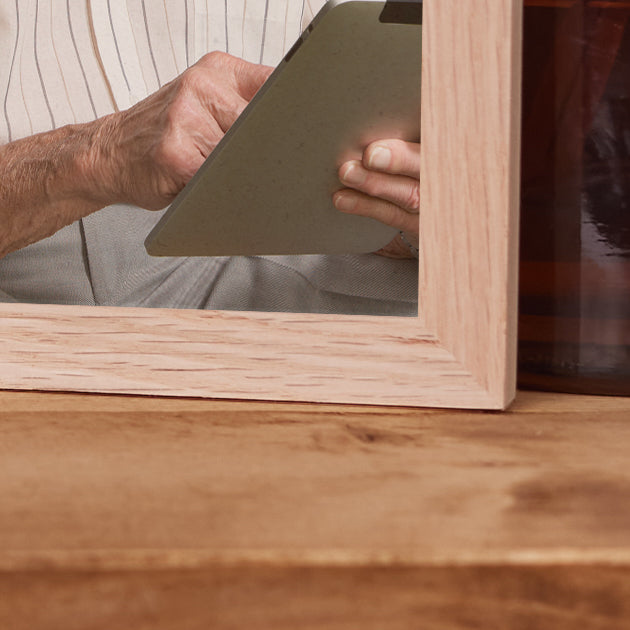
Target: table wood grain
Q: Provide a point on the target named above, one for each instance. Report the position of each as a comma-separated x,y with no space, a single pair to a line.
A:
141,512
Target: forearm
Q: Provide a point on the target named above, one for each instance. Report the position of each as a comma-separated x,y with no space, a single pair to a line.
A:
45,184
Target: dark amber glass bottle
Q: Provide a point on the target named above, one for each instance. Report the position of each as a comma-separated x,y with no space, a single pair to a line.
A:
574,312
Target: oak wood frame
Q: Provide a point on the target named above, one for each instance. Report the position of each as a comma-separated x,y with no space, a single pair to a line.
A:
460,351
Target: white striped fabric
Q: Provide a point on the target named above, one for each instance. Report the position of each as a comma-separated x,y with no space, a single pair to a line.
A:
70,61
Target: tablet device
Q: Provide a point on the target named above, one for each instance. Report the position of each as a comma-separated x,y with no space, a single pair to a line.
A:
351,78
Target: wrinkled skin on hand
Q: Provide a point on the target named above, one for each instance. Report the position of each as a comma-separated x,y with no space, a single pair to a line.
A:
146,154
385,185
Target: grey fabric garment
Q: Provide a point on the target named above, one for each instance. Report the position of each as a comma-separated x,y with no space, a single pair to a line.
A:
51,271
124,275
106,264
359,285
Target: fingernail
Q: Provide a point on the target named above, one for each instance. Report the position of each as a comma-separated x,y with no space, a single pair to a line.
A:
353,174
380,158
343,201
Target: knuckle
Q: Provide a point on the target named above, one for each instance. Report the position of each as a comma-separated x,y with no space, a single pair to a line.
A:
217,61
413,198
203,71
215,57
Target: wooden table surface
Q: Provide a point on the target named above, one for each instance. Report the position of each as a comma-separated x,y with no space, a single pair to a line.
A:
137,513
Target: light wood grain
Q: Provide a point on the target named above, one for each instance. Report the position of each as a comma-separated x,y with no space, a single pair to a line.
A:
159,513
461,351
470,174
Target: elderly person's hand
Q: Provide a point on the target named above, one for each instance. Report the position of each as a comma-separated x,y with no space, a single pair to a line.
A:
142,156
385,185
146,154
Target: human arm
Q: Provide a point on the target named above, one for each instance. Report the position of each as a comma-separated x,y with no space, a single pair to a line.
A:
44,185
385,185
142,156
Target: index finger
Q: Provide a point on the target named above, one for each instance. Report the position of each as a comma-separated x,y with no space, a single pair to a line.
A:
396,157
250,78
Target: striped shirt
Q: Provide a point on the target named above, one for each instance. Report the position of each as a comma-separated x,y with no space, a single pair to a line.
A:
64,61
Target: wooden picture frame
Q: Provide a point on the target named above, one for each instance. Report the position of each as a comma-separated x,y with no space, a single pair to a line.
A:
459,352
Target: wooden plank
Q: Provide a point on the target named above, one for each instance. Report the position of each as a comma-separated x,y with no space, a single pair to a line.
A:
161,513
267,598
